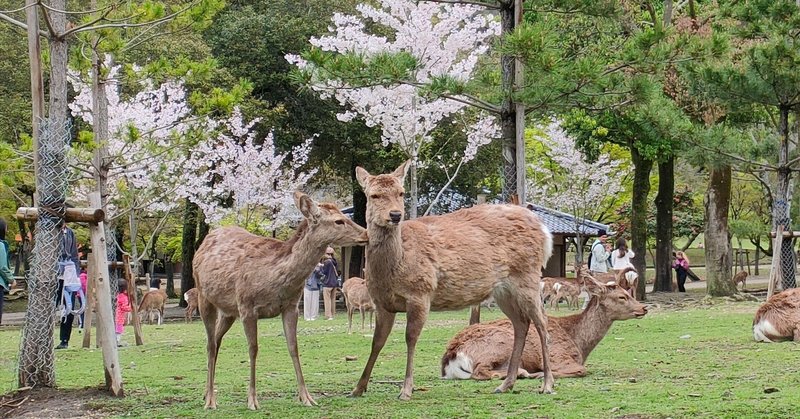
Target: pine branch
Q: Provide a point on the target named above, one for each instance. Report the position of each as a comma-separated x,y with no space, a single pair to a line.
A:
470,2
91,26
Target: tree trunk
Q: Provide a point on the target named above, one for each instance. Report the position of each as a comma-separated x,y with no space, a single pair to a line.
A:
414,183
357,261
641,188
783,202
718,244
664,203
508,117
169,270
188,242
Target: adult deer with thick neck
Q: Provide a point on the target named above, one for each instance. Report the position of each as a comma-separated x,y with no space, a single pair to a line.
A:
450,262
239,274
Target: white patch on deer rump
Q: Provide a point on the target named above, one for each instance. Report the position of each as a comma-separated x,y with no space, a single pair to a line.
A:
763,330
458,368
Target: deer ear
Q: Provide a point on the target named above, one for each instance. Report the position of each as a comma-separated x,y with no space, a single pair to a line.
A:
362,176
402,170
593,286
307,206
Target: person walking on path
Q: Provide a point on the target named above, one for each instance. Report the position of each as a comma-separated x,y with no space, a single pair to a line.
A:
311,293
330,282
681,266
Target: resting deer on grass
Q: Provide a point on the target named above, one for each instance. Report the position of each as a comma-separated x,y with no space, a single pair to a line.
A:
242,275
483,351
429,263
779,318
356,296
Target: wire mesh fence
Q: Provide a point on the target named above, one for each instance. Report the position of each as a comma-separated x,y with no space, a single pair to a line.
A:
36,366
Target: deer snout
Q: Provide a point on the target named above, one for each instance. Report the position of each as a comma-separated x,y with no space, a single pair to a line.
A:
641,312
395,216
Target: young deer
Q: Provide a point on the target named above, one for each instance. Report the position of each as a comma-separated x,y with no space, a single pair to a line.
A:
191,303
740,276
450,262
241,275
153,301
482,351
779,318
356,296
567,290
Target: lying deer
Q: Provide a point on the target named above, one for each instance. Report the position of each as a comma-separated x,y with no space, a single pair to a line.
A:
779,318
242,275
483,351
740,276
415,266
191,303
153,301
356,296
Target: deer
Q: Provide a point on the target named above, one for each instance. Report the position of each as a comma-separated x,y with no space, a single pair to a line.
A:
153,301
628,279
483,351
191,304
356,296
567,290
740,276
242,275
429,263
778,319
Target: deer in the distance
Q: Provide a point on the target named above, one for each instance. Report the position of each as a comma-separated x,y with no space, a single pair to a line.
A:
482,351
153,301
191,304
567,290
740,276
450,262
628,279
242,275
778,318
356,296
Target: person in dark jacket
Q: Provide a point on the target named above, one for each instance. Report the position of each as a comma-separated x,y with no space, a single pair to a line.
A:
69,252
311,293
330,282
6,275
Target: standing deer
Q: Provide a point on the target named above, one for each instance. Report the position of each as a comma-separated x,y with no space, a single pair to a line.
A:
482,351
450,262
191,303
740,276
241,275
153,301
356,296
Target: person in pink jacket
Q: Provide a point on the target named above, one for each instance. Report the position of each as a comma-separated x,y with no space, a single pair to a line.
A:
681,266
123,308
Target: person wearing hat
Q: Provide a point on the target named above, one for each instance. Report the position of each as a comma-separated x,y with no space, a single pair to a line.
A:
330,281
601,251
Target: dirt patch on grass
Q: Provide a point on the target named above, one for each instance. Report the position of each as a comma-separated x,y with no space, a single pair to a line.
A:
53,403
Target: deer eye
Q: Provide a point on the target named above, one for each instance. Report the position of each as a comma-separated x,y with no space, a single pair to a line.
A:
374,196
340,222
402,194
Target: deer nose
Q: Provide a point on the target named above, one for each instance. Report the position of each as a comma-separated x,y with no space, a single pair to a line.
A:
395,216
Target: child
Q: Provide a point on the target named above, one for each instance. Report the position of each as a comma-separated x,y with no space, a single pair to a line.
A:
123,308
84,280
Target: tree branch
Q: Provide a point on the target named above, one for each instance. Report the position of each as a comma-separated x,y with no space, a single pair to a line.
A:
472,2
19,24
91,27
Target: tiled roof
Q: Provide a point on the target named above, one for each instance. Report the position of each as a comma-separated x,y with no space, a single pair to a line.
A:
562,223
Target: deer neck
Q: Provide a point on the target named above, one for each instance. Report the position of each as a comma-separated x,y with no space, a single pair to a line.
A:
304,248
588,328
384,251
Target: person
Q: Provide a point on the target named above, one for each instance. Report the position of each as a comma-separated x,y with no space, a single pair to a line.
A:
330,282
601,251
681,266
6,274
69,253
621,256
311,292
123,308
155,283
84,285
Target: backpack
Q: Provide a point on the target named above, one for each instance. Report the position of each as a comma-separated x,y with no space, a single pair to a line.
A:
589,260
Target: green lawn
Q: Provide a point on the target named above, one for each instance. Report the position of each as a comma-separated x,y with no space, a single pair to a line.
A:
699,362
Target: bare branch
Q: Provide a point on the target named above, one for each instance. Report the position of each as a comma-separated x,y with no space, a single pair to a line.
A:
19,24
90,27
472,2
67,12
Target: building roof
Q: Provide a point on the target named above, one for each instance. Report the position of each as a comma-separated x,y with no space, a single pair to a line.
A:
562,223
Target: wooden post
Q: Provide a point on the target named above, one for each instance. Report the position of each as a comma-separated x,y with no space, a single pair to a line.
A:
775,273
105,318
758,260
137,325
89,314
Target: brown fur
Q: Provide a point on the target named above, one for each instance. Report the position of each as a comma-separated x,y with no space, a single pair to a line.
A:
153,301
569,290
782,311
740,276
242,275
356,296
450,262
629,286
488,346
191,303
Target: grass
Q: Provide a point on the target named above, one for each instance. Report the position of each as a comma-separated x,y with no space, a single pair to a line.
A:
699,362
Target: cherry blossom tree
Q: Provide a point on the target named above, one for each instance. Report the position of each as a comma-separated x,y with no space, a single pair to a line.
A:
234,177
446,41
565,181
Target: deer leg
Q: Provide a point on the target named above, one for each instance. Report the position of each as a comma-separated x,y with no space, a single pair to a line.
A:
537,315
384,321
796,334
521,325
250,323
363,318
349,319
290,331
416,315
209,315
